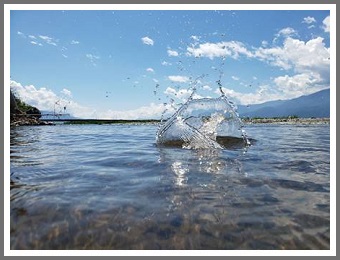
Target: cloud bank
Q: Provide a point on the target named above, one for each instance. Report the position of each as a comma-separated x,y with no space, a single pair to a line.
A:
305,64
326,24
46,100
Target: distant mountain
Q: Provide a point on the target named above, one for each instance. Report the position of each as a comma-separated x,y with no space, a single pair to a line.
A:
313,105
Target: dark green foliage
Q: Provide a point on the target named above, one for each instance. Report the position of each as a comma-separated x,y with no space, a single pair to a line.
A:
20,107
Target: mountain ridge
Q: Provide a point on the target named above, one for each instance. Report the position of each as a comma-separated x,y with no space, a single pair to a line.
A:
314,105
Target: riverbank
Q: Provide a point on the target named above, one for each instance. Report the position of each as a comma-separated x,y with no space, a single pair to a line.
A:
287,120
306,121
24,119
19,120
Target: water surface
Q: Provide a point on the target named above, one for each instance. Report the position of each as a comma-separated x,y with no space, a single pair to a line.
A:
112,187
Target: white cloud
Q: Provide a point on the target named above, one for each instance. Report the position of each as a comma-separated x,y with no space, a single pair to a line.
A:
182,94
151,111
65,56
45,38
66,92
146,40
21,34
175,93
150,70
264,43
45,99
172,53
309,20
48,40
298,55
181,79
282,87
34,43
298,85
165,63
92,58
259,96
326,24
74,42
206,87
231,49
308,60
32,37
42,98
286,32
235,78
195,38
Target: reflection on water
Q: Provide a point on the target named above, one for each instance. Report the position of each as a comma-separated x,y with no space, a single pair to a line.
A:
111,187
201,161
180,170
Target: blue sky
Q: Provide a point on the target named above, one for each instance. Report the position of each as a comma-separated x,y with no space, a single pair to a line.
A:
127,64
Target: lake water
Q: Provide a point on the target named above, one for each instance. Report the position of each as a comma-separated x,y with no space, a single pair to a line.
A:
112,187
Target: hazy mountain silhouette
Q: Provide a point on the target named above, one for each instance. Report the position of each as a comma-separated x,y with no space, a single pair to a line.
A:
313,105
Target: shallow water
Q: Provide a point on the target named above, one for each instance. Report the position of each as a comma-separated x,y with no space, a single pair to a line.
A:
112,187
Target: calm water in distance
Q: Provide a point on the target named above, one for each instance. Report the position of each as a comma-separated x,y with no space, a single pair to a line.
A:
111,187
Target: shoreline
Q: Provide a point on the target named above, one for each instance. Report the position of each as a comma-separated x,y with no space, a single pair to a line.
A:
24,120
291,121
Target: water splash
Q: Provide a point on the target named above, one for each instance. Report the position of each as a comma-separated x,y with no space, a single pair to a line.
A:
204,123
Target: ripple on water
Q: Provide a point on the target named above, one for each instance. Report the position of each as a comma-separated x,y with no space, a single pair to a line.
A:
107,193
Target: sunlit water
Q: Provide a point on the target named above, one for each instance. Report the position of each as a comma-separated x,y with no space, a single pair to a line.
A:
112,187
